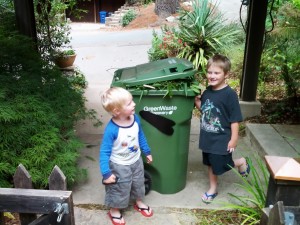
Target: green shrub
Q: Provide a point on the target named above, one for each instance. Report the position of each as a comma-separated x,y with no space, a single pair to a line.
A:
167,44
155,52
236,56
282,49
39,108
53,29
128,17
296,3
279,75
147,2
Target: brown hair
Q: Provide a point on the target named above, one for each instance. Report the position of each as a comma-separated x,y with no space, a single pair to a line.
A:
221,61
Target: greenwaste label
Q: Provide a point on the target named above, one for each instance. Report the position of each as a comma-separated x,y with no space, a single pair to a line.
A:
161,110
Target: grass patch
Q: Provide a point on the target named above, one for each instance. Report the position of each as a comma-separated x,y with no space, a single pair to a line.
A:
217,217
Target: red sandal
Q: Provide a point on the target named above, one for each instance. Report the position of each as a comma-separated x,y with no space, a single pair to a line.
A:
112,218
143,210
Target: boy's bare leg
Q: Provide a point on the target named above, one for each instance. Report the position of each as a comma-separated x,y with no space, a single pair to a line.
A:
240,164
213,181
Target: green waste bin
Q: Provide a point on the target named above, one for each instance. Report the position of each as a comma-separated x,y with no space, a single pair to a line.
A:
166,120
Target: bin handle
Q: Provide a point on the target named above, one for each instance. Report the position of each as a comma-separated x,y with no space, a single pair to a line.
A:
161,123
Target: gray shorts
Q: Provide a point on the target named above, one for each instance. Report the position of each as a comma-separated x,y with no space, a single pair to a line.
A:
118,195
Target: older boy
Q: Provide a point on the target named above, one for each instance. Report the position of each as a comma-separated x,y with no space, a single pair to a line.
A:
219,126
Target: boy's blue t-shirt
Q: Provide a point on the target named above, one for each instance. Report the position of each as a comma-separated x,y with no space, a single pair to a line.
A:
219,109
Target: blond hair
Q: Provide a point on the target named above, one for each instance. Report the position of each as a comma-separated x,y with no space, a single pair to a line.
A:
115,98
220,61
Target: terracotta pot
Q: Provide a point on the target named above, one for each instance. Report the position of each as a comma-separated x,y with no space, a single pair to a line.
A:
65,61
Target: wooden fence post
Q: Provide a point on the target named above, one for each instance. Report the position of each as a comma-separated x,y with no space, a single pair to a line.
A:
22,179
57,181
55,205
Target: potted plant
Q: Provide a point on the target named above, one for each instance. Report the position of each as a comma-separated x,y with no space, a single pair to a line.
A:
64,58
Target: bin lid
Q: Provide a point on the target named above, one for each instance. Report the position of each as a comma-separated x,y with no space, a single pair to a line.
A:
157,71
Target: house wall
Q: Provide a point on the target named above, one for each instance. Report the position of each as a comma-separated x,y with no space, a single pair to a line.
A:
111,5
94,7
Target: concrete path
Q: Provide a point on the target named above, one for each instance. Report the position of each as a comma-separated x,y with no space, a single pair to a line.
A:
99,54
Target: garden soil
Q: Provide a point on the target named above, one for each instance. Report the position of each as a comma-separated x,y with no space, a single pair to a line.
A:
146,18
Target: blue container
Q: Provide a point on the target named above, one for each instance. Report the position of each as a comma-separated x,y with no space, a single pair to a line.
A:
102,15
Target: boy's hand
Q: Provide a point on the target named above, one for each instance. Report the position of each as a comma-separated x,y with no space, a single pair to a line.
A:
149,158
198,101
231,146
111,179
234,137
230,150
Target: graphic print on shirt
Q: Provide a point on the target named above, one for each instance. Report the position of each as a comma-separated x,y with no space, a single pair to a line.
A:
129,144
210,120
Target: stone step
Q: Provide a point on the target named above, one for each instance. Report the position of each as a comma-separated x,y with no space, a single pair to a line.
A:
274,139
113,25
115,18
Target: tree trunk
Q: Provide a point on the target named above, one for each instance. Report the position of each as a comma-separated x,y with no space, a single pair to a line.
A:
164,8
24,11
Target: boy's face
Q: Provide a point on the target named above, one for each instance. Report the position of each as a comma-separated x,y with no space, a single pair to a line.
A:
216,77
129,107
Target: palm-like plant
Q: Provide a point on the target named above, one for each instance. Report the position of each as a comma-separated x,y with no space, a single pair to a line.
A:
206,32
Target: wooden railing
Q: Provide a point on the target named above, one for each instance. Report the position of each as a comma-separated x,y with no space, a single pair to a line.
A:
55,206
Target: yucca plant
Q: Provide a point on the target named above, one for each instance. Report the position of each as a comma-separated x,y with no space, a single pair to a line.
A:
206,32
255,185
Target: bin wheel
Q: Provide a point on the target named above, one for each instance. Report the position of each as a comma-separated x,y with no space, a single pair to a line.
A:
148,182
